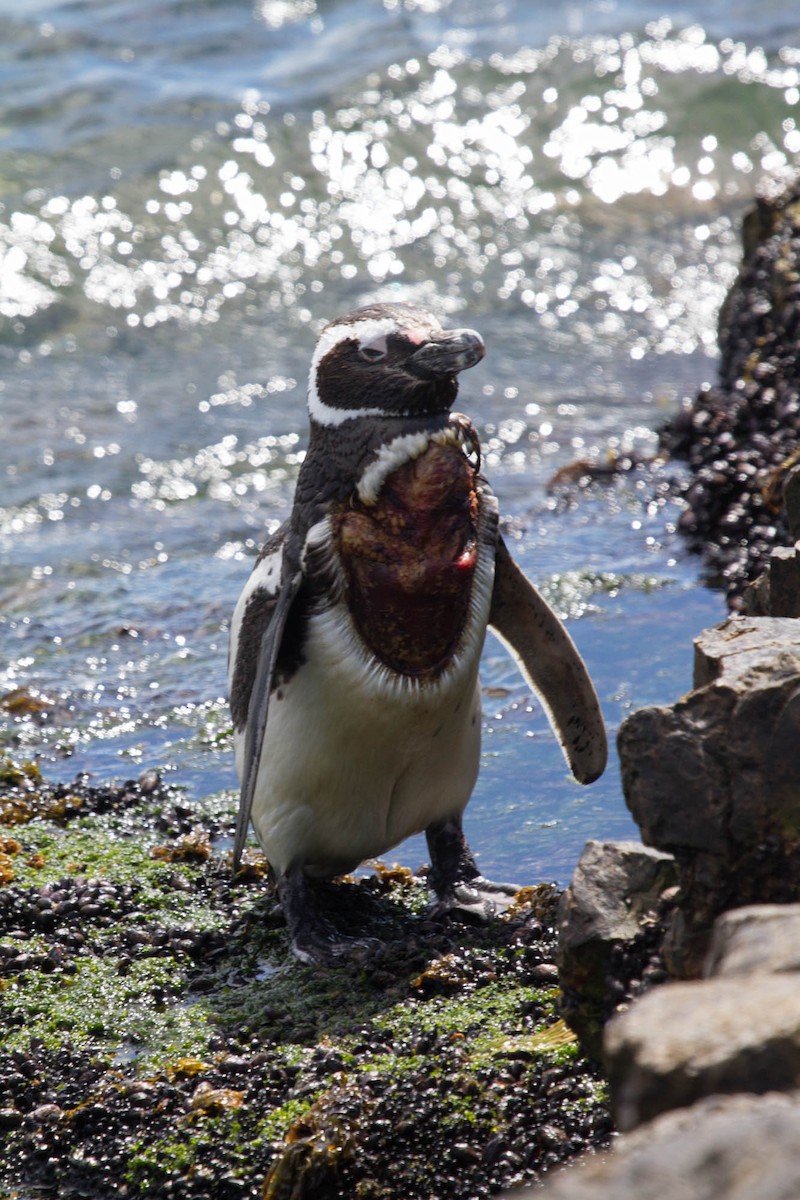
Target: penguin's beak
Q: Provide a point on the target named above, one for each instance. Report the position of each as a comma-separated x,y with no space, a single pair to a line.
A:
449,352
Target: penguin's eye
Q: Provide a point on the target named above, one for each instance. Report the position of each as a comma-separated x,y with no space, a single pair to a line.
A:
374,351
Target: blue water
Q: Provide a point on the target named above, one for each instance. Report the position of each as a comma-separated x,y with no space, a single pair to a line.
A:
187,191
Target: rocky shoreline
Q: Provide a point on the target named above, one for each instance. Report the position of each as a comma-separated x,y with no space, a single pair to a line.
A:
703,1072
741,436
159,1041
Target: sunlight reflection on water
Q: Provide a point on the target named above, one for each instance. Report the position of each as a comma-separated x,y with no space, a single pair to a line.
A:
167,255
454,151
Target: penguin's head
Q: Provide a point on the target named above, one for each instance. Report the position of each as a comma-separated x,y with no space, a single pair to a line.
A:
387,360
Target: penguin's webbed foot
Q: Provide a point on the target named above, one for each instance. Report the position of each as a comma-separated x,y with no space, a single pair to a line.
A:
314,939
479,899
458,885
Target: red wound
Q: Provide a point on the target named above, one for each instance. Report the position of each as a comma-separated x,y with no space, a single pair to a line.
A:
410,560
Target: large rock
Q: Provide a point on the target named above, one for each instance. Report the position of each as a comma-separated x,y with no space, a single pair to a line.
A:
685,1045
741,645
726,1148
608,930
742,436
715,779
686,1041
761,937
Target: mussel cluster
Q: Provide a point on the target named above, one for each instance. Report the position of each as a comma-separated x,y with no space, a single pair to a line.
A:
742,436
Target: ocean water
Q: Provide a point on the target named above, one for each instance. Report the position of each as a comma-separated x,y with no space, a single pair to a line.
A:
188,191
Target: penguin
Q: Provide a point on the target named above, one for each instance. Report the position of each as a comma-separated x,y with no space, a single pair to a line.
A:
355,644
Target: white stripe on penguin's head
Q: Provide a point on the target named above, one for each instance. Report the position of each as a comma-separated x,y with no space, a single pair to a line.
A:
365,331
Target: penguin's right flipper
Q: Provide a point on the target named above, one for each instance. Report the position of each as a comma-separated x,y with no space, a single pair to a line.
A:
258,706
548,659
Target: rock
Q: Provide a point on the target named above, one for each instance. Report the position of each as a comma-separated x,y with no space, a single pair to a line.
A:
776,593
791,502
614,898
726,1148
741,436
732,650
674,772
761,937
713,782
686,1041
715,779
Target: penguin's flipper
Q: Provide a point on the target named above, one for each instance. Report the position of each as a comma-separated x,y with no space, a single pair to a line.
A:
548,659
258,707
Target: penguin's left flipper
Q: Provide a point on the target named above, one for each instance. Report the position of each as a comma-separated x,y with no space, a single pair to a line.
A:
258,707
548,659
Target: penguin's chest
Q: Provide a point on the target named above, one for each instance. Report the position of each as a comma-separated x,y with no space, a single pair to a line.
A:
408,559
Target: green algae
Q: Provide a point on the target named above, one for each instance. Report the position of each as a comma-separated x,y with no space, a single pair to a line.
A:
486,1009
193,1139
96,849
168,975
99,1008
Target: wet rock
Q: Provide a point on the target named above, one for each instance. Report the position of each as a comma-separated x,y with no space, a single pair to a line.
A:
726,1148
715,779
776,592
687,1041
761,937
614,900
150,781
741,437
46,1114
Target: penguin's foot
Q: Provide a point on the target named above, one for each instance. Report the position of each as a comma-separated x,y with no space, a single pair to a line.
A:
314,938
479,899
454,877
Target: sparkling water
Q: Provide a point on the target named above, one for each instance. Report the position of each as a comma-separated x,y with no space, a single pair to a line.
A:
190,190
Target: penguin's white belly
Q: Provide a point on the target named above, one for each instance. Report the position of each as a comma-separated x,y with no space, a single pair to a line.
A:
354,762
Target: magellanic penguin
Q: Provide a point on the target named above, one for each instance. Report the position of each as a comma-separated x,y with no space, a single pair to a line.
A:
355,645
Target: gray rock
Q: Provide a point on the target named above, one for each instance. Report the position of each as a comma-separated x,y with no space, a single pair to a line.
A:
615,892
715,779
731,650
726,1148
791,501
761,937
687,1041
783,572
674,771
